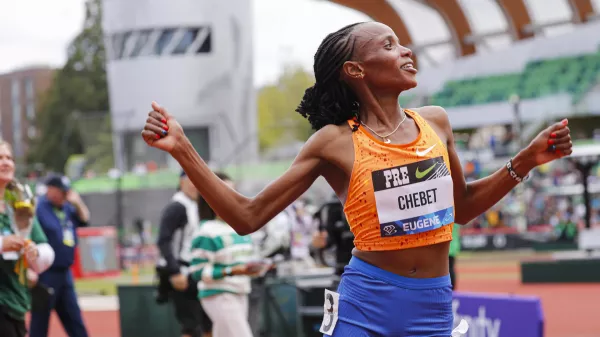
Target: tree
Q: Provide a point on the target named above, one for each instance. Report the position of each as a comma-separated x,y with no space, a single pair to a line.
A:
278,123
78,89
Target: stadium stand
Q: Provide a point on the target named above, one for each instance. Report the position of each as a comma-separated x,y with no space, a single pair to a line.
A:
553,76
574,75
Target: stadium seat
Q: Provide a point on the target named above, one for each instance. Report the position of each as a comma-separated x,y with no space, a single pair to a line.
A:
575,75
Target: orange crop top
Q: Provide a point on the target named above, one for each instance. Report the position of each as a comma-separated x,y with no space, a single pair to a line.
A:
400,195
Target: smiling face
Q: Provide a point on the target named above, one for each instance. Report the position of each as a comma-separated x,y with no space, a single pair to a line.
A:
380,60
7,164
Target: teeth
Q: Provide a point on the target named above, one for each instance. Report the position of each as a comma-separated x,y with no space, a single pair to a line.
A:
407,66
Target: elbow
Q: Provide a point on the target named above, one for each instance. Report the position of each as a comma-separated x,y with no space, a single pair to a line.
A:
251,219
463,217
246,228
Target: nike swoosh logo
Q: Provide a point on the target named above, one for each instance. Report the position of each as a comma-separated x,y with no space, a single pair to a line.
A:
420,174
426,151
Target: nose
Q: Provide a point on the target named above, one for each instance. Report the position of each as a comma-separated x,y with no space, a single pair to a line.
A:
406,52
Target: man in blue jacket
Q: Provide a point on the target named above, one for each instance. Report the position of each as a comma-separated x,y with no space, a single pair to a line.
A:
60,211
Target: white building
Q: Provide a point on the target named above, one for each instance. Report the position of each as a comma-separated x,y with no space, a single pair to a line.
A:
193,57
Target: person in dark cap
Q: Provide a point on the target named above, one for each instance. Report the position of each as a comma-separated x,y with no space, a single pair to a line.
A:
60,211
178,222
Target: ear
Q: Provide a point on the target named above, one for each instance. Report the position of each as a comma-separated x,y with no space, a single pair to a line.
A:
353,69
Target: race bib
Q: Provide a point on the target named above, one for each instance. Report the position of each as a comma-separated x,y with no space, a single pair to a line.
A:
414,198
68,237
330,315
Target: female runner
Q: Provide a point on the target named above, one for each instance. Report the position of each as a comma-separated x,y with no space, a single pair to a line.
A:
396,171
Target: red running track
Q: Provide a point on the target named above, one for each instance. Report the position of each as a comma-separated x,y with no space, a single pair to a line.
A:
571,310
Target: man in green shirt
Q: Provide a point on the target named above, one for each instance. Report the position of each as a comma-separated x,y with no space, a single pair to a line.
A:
454,250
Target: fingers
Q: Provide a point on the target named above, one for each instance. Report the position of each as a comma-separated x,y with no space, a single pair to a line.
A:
149,136
157,125
567,152
160,110
559,126
13,243
564,143
565,131
18,242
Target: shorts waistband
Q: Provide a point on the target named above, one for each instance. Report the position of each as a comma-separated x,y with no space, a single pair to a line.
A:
397,280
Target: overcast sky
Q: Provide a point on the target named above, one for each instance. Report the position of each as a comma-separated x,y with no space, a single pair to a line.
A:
37,31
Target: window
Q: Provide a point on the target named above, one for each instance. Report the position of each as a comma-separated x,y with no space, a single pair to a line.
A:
188,38
31,132
29,89
163,40
206,46
199,137
30,111
15,91
16,115
134,44
16,124
140,43
136,151
120,43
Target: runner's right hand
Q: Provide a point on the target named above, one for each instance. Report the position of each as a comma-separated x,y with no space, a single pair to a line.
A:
12,243
162,131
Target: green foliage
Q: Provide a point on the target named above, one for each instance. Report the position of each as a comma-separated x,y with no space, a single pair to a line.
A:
278,123
99,153
78,89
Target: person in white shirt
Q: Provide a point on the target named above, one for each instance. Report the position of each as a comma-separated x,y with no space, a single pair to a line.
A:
222,265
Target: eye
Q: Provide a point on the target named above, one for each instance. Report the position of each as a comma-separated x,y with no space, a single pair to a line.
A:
388,45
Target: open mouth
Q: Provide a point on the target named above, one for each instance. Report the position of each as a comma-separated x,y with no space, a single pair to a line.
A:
410,67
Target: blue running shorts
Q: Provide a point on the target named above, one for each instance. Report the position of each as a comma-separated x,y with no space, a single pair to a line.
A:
374,302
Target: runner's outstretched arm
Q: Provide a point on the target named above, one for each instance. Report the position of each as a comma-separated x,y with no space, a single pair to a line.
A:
244,214
474,198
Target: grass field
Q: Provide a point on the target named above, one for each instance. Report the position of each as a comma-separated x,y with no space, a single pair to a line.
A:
570,310
108,286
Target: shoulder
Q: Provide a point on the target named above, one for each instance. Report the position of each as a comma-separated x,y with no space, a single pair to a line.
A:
434,114
327,141
41,202
437,117
327,135
175,206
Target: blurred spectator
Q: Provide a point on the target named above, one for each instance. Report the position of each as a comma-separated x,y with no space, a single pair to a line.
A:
60,212
178,222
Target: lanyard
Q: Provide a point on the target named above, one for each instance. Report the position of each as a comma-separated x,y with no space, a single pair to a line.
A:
10,214
61,215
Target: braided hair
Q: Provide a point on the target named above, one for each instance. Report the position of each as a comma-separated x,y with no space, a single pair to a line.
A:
331,100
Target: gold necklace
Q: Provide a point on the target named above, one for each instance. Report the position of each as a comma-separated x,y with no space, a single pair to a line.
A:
385,138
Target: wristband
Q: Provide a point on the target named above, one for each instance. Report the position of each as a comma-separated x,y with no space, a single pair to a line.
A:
227,271
513,174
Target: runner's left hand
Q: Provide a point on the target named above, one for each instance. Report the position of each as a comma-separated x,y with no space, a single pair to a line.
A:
552,143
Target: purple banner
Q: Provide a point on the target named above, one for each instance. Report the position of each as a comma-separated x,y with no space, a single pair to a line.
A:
491,315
